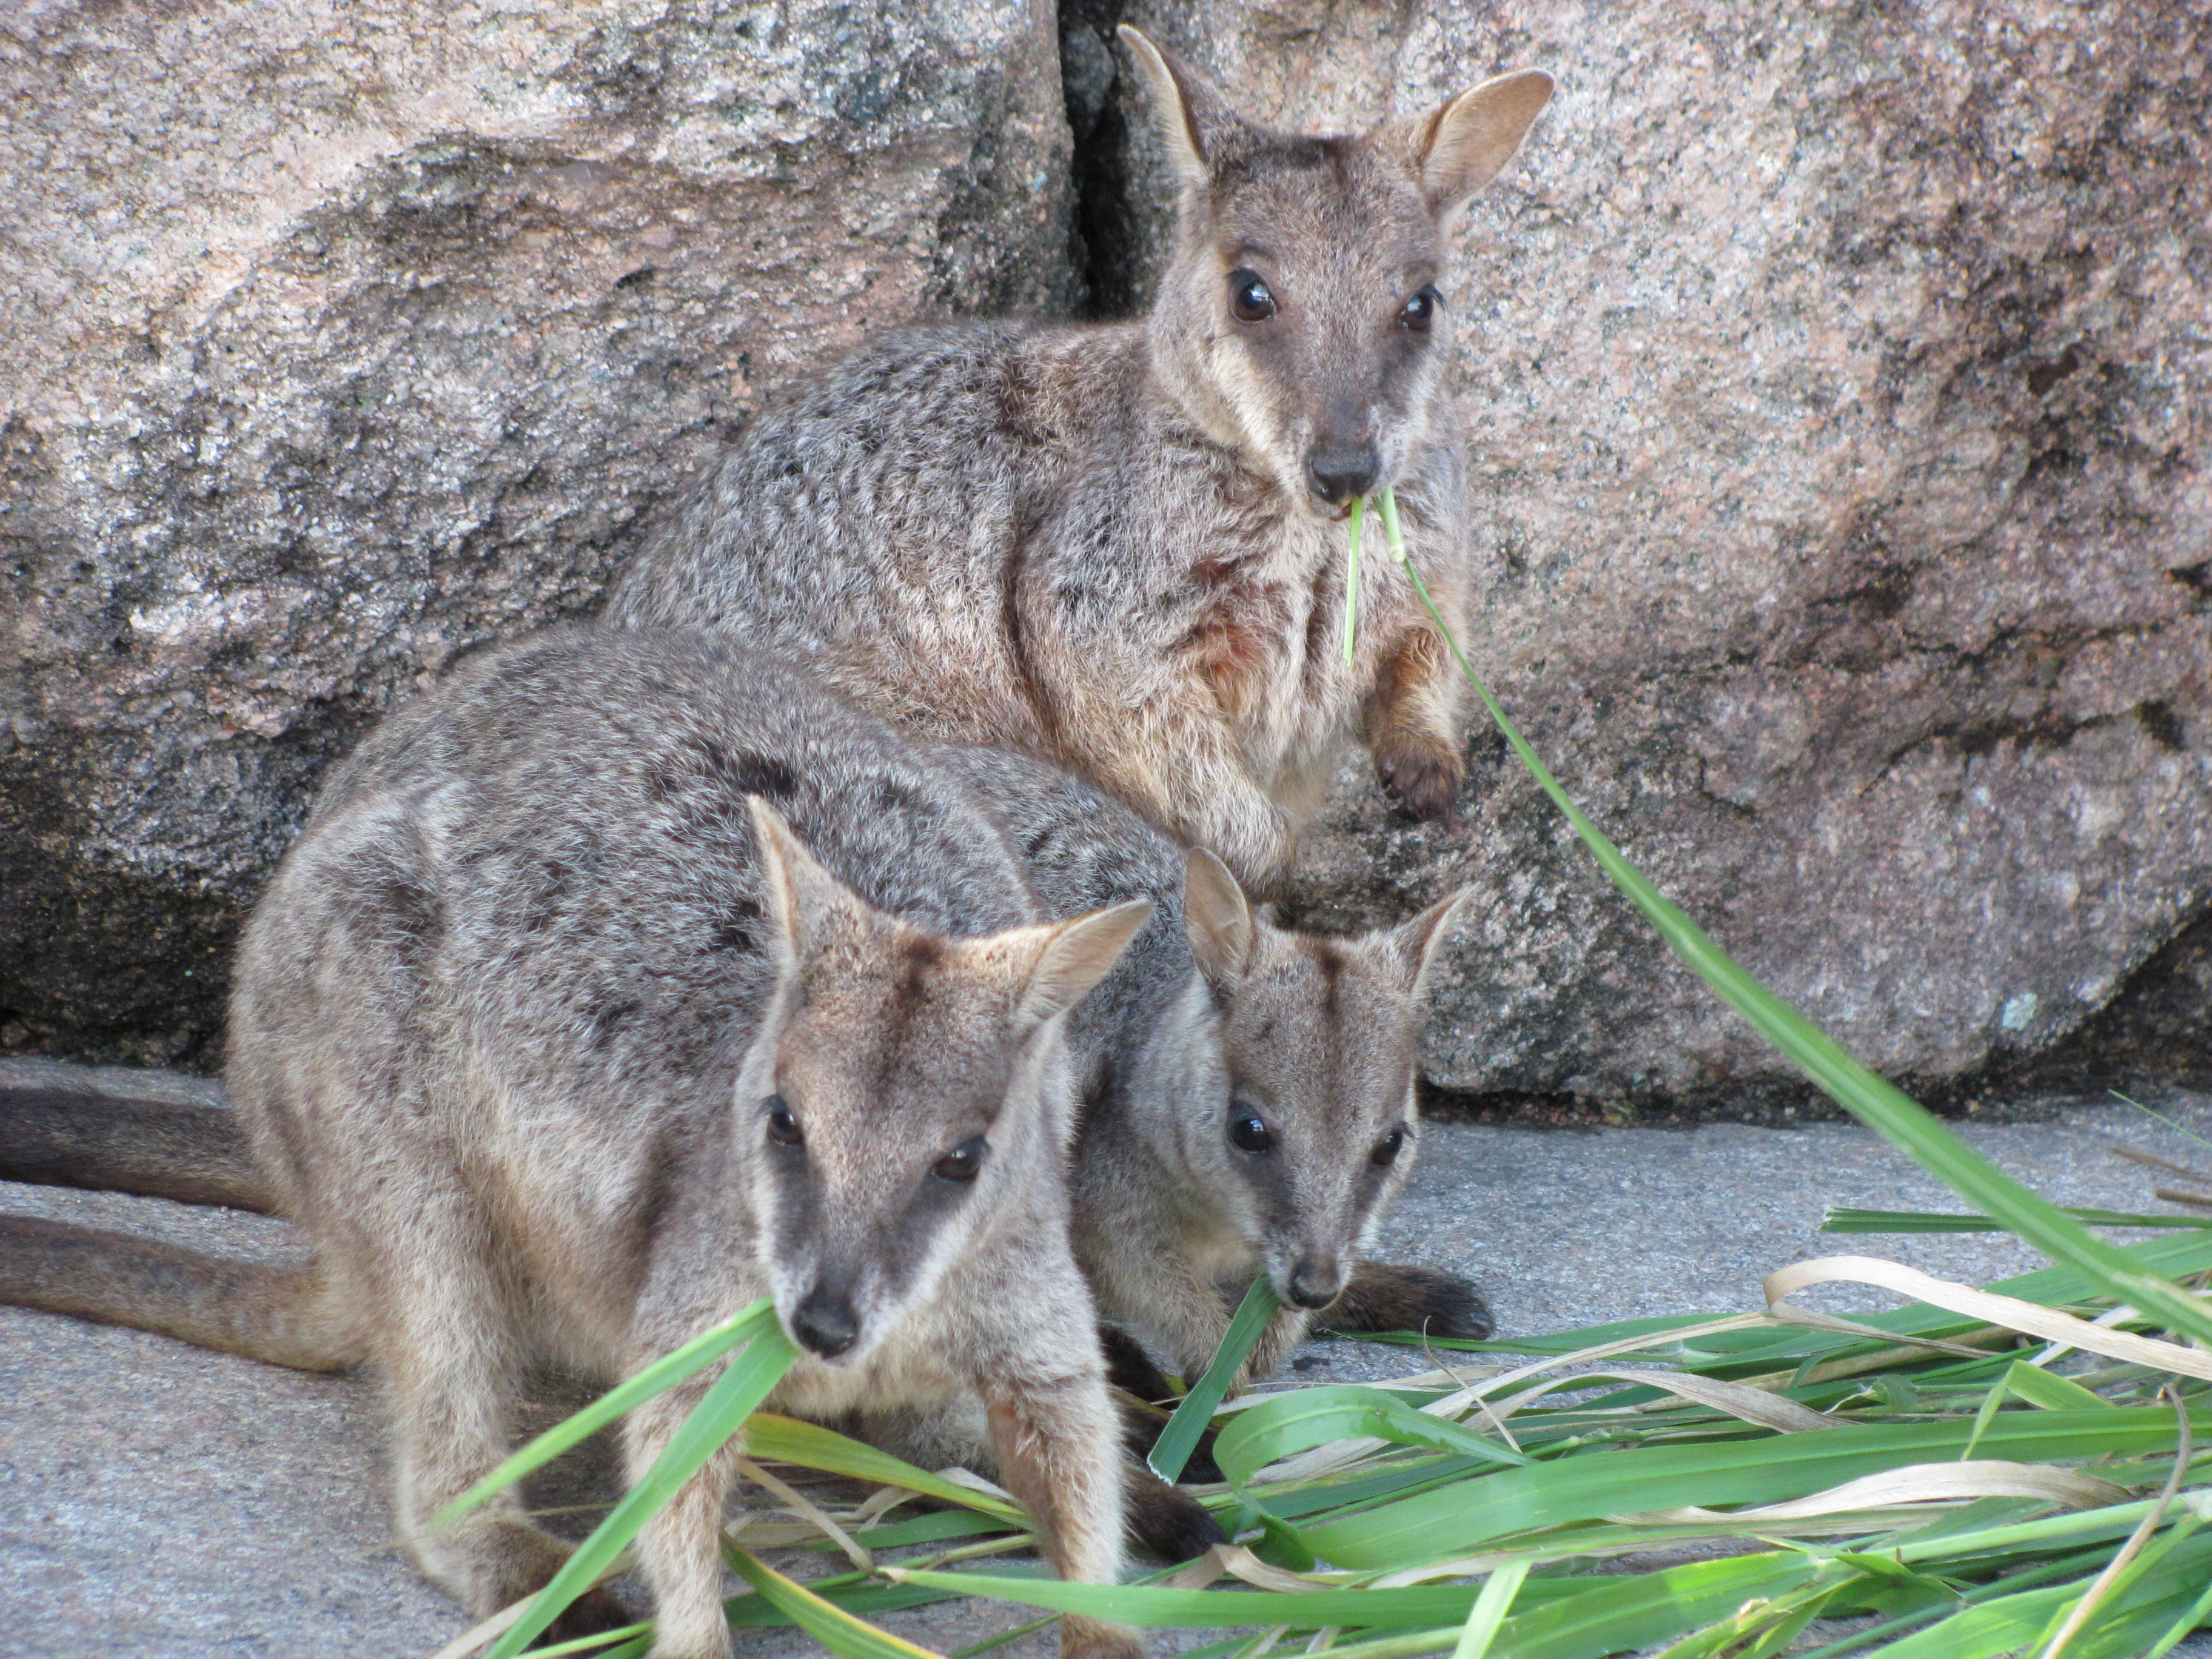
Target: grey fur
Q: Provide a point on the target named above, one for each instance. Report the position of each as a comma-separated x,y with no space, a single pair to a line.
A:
504,1026
1102,545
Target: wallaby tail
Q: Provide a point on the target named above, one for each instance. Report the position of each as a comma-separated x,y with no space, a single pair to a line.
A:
285,1316
193,1153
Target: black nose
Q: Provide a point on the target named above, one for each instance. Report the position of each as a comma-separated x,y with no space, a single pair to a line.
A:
1338,475
825,1324
1315,1287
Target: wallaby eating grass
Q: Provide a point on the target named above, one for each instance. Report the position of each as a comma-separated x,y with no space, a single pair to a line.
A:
552,1036
1121,547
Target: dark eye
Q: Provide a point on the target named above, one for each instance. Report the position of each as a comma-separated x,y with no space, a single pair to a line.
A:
1249,297
1418,313
1248,1131
782,1126
962,1162
1387,1149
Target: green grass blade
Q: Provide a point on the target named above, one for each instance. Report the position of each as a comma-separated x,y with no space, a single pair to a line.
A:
1873,1100
843,1633
1457,1519
695,1355
1352,579
721,1414
1920,1221
1181,1437
1490,1609
788,1440
1303,1417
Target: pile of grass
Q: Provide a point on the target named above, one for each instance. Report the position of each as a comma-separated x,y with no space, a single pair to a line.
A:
1980,1473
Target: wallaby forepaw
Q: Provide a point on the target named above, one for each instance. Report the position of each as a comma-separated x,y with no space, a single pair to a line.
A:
1424,775
1388,1297
1094,1639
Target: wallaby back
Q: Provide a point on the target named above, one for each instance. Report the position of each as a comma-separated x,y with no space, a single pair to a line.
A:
1121,547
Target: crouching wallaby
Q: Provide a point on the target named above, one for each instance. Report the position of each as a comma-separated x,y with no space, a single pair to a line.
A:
1248,1091
552,1036
1121,547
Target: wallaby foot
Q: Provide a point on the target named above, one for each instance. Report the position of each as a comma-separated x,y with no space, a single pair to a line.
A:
282,1315
1166,1521
1093,1639
1388,1297
1424,772
492,1561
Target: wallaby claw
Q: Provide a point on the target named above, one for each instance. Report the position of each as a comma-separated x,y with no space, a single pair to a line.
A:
593,1614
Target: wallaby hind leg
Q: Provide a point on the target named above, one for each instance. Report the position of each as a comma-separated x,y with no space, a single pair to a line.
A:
284,1315
1388,1297
450,1359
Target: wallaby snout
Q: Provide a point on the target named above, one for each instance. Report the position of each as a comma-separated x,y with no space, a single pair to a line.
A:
824,1323
1314,1281
1339,473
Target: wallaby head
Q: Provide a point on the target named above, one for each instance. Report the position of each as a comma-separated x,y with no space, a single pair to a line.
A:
1317,1039
1297,317
899,1080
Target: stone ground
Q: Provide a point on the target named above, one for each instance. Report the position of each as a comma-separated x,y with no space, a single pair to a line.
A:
162,1502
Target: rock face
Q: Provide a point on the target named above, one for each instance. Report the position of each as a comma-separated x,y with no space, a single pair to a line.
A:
1841,402
1838,377
336,337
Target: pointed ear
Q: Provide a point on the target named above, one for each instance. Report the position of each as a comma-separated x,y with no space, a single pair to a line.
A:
1190,117
1218,919
802,896
1418,940
1461,147
1078,955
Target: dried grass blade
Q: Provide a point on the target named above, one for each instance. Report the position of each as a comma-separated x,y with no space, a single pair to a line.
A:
1323,1459
791,1498
2152,1160
2026,1316
1917,1483
1755,1406
2118,1566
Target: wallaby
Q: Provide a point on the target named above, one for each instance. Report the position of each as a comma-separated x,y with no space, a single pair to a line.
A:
1248,1091
552,1034
1121,547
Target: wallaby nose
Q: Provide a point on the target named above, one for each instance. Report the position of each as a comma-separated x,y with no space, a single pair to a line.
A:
1338,475
825,1324
1313,1285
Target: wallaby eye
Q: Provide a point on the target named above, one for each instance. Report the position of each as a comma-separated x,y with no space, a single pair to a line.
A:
782,1126
1418,313
963,1161
1387,1149
1249,1132
1250,299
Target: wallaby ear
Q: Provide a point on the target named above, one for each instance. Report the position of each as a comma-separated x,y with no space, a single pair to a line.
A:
1459,149
1078,956
1418,939
1218,919
802,896
1191,117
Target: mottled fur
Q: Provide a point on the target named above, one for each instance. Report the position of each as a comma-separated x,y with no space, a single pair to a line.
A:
509,1031
1121,547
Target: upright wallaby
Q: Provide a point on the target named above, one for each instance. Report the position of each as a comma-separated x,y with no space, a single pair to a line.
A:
1121,547
551,1035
